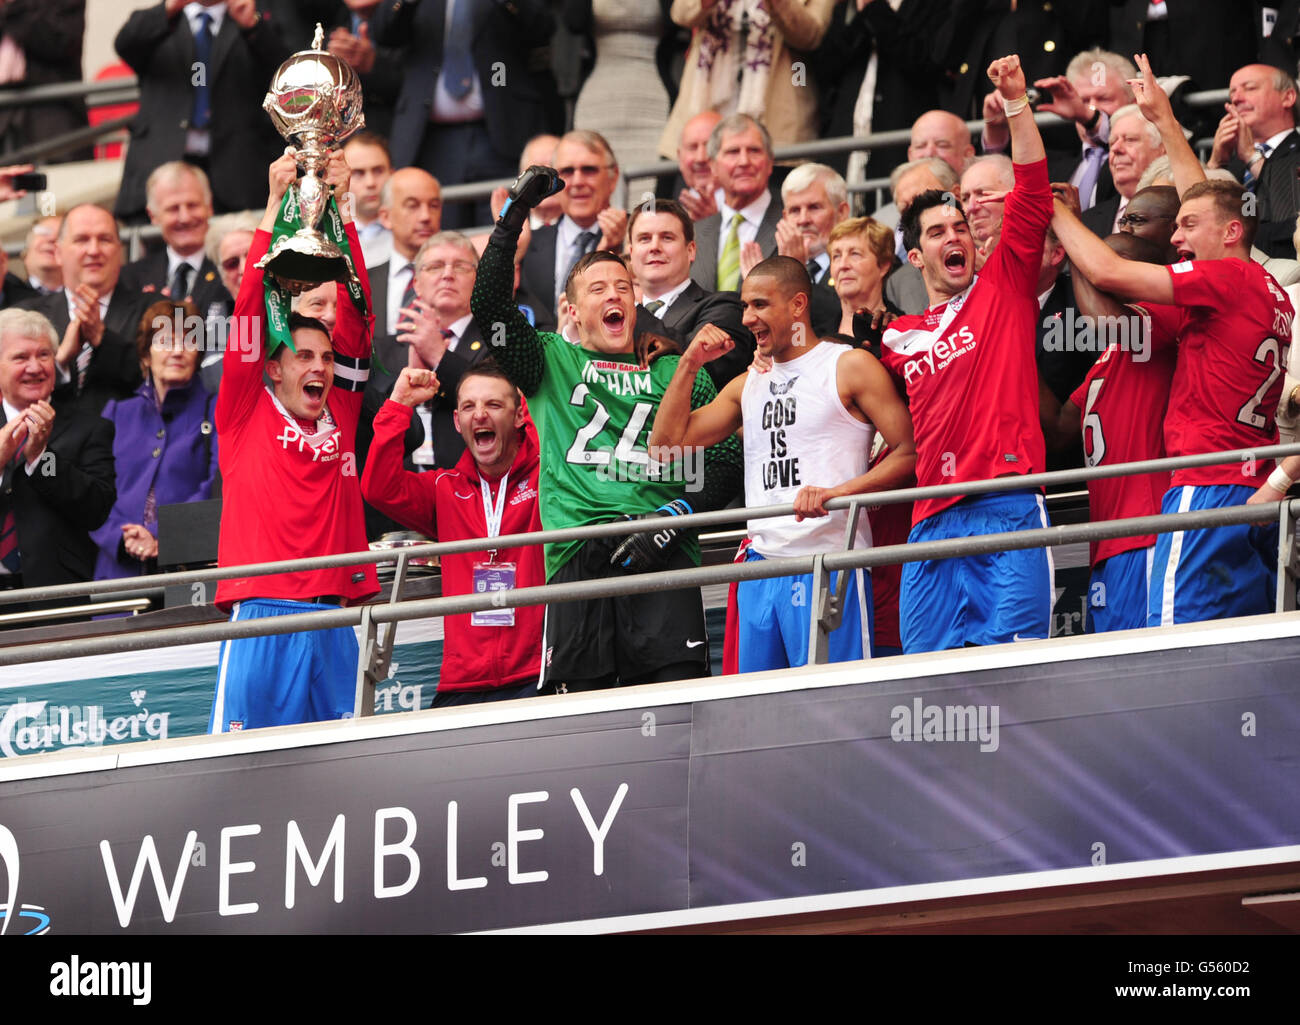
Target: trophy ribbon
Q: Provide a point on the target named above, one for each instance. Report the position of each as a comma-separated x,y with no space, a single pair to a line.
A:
287,222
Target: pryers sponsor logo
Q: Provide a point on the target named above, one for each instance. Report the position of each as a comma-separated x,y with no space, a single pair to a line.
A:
940,354
58,726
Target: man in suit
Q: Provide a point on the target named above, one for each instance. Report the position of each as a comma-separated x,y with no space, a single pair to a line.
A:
41,256
435,331
96,316
1134,143
477,86
694,186
745,227
589,169
180,203
367,155
56,464
203,68
662,248
410,207
815,199
1258,142
13,289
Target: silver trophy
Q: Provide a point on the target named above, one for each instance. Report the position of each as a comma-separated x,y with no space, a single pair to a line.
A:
315,103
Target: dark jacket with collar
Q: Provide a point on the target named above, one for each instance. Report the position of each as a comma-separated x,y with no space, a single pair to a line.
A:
1278,193
148,276
114,370
708,240
68,494
160,50
689,312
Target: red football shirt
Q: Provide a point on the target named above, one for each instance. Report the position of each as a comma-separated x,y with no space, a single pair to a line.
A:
968,364
284,497
1233,325
1122,401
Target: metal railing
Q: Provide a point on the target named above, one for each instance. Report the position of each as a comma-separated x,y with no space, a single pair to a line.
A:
825,602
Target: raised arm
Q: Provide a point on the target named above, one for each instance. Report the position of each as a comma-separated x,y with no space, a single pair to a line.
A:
398,493
1104,268
1009,79
1155,107
677,426
493,300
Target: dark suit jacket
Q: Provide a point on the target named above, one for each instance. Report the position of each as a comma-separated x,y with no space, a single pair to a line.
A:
708,233
537,274
15,291
50,33
148,275
114,370
160,50
517,104
1100,218
689,312
448,445
1278,193
907,75
63,499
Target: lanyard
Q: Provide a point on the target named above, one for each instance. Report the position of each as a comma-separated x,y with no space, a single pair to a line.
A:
493,513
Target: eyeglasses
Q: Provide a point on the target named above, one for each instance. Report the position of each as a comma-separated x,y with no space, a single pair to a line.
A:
1137,220
231,263
457,266
588,170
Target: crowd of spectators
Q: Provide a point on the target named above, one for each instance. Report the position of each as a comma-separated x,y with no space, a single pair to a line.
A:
464,91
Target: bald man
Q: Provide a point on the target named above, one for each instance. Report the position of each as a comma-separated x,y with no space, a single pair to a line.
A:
410,206
1261,112
938,133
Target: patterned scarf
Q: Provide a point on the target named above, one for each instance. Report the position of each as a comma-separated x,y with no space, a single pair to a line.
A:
735,43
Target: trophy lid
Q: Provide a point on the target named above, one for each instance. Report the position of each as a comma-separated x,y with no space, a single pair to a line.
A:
315,91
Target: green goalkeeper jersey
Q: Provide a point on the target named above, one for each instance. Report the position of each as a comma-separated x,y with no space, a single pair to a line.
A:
593,413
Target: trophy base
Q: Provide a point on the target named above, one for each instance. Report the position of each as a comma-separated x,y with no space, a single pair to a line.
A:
304,260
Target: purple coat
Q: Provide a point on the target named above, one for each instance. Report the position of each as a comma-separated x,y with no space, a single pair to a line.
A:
175,453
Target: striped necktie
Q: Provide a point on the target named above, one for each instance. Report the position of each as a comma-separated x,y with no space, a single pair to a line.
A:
10,557
729,257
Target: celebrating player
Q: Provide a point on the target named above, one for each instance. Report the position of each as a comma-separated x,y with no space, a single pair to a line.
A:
809,424
594,404
291,491
1232,323
967,364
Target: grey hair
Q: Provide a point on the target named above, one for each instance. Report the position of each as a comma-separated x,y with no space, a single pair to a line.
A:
27,324
172,171
734,125
447,238
1131,110
1006,169
941,168
220,227
1082,65
805,176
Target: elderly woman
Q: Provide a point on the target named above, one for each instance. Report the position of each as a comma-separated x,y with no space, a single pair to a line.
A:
165,446
861,252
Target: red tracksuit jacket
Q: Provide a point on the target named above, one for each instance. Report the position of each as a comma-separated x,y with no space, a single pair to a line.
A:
448,506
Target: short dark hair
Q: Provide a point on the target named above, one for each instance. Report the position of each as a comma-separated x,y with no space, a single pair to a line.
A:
663,206
297,322
792,274
589,260
927,200
1230,201
487,367
369,138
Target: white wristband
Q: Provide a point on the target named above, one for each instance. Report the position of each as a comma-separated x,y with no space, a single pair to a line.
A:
1014,107
1279,481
